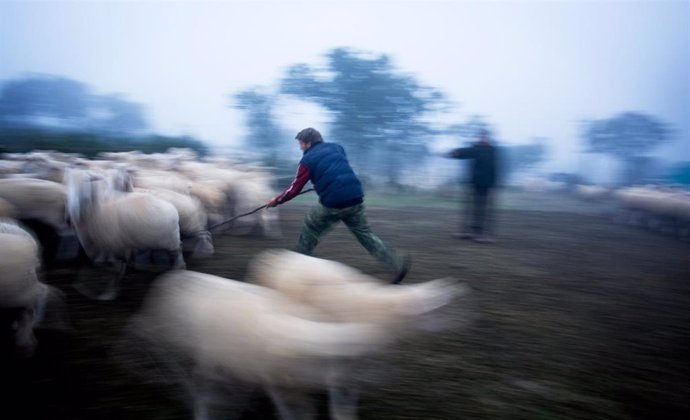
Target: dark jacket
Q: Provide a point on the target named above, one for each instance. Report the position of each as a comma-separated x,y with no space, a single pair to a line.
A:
334,180
484,166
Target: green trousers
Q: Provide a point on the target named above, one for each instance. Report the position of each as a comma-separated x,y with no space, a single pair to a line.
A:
321,219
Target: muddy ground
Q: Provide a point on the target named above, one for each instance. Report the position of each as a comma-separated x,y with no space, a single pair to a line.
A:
571,317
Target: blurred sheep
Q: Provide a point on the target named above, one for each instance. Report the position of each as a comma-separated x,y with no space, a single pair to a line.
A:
345,294
249,192
41,206
592,192
111,226
662,208
7,209
228,192
23,298
228,332
193,221
543,185
159,179
10,167
36,199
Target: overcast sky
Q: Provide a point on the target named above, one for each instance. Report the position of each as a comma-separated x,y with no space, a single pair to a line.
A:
533,68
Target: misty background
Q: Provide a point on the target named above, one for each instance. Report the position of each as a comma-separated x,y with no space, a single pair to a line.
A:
593,91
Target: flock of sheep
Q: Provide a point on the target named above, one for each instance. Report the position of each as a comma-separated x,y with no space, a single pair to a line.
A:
131,202
299,323
658,207
663,208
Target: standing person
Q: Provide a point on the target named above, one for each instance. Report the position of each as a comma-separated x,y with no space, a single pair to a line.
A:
482,178
341,198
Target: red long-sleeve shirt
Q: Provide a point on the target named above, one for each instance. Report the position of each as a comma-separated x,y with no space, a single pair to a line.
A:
296,186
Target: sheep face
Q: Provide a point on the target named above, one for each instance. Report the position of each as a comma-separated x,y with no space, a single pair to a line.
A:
81,193
120,179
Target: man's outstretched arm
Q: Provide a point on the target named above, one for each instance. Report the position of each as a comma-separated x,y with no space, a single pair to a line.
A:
294,189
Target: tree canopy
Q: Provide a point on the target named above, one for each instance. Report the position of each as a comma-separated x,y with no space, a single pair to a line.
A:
61,103
628,136
377,111
265,135
55,113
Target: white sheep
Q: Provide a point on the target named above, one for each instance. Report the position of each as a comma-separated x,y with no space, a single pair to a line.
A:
193,221
655,207
113,226
192,216
591,192
157,179
40,205
231,330
21,292
226,190
344,293
36,199
183,153
249,192
7,209
10,167
212,196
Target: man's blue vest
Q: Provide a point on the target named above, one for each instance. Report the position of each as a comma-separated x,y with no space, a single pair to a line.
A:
334,180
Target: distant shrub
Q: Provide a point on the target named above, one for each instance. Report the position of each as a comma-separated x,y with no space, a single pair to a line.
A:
23,139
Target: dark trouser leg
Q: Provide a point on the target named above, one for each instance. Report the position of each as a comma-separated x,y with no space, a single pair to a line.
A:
356,221
481,202
467,222
317,222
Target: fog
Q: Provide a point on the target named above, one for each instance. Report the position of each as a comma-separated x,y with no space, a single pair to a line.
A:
530,68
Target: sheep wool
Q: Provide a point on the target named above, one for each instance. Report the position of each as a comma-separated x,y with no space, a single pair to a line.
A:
119,224
343,293
18,263
250,331
36,199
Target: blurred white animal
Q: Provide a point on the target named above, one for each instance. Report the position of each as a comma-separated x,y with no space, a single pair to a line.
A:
192,216
113,226
344,294
249,192
193,222
658,207
7,209
229,329
22,296
36,199
591,192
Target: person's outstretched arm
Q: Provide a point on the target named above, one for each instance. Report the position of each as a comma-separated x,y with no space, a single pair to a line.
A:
460,153
294,189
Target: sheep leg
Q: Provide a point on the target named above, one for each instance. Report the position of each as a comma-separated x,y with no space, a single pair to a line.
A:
215,395
210,405
112,289
40,306
342,403
292,404
24,338
201,409
177,258
87,282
